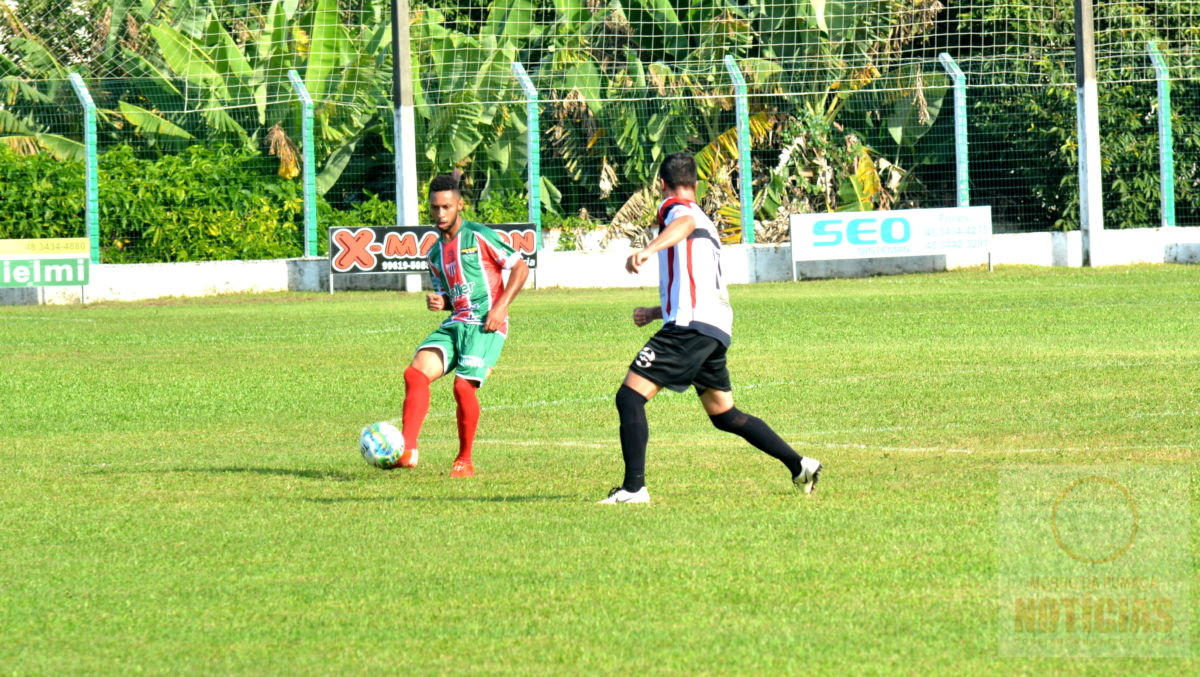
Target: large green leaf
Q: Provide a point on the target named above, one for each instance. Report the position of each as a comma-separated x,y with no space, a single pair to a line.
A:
904,121
334,165
361,125
116,24
569,13
220,120
35,60
273,49
188,59
228,57
151,123
142,70
62,148
326,50
551,195
29,141
11,123
511,19
453,131
818,12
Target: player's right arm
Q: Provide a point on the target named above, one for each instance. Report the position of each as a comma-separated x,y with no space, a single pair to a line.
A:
643,316
673,234
438,300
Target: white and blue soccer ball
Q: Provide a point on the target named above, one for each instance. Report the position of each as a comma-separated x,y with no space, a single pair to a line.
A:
383,447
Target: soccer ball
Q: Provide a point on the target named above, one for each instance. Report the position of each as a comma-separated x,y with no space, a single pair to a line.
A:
383,447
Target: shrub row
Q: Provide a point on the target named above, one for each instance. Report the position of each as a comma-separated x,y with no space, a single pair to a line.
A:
204,204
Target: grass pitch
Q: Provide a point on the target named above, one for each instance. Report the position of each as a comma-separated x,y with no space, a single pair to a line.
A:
181,491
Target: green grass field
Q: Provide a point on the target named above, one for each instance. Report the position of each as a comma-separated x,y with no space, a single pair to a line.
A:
181,490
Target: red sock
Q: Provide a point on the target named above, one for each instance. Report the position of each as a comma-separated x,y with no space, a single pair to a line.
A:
416,405
468,416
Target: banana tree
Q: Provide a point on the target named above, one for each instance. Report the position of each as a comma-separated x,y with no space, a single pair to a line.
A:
177,73
630,83
841,80
466,96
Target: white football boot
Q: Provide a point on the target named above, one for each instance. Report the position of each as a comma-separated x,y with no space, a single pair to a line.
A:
619,495
810,472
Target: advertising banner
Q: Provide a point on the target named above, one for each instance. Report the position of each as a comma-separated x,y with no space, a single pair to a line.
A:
49,262
908,232
393,249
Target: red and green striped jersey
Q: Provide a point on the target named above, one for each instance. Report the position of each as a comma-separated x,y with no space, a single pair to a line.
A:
468,269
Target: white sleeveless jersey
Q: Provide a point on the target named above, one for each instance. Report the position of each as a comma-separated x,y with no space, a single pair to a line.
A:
690,287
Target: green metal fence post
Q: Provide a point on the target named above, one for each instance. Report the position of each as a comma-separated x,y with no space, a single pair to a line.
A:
1166,144
309,164
533,143
745,178
91,177
961,156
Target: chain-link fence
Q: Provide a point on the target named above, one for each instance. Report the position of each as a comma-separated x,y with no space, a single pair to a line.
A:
200,131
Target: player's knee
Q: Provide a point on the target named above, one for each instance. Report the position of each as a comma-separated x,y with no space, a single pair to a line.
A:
729,421
628,398
415,377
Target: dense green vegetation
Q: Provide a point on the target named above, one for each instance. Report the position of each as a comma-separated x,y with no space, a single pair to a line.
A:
849,106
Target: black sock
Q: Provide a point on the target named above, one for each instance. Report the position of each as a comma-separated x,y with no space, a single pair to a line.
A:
755,431
631,409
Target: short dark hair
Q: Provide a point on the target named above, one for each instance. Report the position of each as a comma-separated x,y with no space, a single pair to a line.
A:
678,169
443,182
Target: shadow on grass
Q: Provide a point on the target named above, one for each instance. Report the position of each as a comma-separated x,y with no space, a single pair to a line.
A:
349,499
334,475
491,499
442,499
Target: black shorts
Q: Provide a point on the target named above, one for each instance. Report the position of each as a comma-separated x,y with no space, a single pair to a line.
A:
678,358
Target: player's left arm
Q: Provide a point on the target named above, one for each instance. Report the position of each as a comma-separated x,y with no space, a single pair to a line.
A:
643,316
499,311
675,232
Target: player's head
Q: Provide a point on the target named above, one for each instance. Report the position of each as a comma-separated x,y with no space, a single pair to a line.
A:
445,201
678,170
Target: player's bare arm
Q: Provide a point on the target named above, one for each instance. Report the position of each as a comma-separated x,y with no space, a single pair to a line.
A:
499,311
643,315
437,301
673,234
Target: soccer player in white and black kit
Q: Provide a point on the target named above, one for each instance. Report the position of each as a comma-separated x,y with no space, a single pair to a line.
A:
690,348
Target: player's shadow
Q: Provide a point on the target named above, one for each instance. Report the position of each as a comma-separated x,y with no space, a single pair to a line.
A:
439,499
332,475
528,498
336,500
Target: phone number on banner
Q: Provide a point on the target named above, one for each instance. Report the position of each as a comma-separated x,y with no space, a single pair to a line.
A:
405,264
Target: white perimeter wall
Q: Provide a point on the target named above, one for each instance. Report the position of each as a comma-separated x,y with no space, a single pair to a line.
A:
741,263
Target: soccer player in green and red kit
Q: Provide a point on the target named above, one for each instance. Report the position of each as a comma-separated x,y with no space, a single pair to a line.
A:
466,266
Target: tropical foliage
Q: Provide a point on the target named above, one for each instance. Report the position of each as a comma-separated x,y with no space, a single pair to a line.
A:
207,202
1027,128
176,73
842,99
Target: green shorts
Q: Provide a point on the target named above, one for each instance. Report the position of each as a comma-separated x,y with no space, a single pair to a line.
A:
466,348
